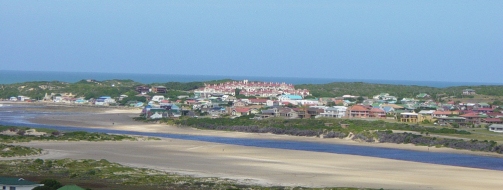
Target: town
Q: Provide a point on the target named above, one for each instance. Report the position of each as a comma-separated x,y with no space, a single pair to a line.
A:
262,100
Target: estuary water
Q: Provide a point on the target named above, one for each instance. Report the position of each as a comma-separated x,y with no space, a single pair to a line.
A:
18,117
10,77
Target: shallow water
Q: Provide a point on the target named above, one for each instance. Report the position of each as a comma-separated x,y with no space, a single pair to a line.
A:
19,118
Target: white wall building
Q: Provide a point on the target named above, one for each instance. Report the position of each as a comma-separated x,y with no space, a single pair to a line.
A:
157,98
335,111
9,183
496,128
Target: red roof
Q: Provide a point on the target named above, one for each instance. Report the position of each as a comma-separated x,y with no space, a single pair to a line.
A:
470,115
258,100
483,109
493,119
376,110
495,114
358,108
242,110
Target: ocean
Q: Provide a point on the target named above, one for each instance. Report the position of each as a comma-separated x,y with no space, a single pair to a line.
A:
10,77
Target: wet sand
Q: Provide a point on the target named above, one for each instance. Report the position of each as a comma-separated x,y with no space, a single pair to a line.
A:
266,166
263,166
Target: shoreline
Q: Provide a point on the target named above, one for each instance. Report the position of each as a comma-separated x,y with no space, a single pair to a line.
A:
274,167
116,122
257,165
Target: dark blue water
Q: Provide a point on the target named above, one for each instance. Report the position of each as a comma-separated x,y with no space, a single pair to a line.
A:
10,77
464,160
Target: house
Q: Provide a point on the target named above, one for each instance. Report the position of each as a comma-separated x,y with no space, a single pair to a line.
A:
336,111
258,101
71,187
262,89
469,92
11,183
394,106
423,95
121,97
142,89
495,115
157,98
57,99
386,97
302,112
315,112
104,100
426,115
23,98
496,128
80,101
273,112
157,113
214,111
438,114
481,105
289,97
388,109
377,113
357,111
288,113
483,110
240,111
461,121
473,118
409,117
159,89
493,120
190,101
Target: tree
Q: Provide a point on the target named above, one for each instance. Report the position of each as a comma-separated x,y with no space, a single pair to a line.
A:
43,188
309,97
51,183
359,99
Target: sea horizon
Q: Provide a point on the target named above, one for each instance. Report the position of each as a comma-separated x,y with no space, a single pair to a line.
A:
16,76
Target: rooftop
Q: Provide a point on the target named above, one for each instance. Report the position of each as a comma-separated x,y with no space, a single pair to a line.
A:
15,181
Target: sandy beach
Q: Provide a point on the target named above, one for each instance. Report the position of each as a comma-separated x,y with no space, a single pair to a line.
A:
264,166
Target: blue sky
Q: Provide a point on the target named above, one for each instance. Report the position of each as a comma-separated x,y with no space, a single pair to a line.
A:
419,40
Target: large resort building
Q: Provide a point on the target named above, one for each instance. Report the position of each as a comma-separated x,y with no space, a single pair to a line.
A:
260,89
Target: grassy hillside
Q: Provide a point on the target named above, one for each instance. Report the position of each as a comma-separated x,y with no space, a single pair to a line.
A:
114,88
93,89
369,90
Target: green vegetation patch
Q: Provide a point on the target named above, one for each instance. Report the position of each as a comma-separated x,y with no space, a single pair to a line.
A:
20,135
245,124
7,150
103,171
362,130
369,89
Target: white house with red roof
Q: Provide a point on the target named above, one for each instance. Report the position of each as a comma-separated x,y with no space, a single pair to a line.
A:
261,89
